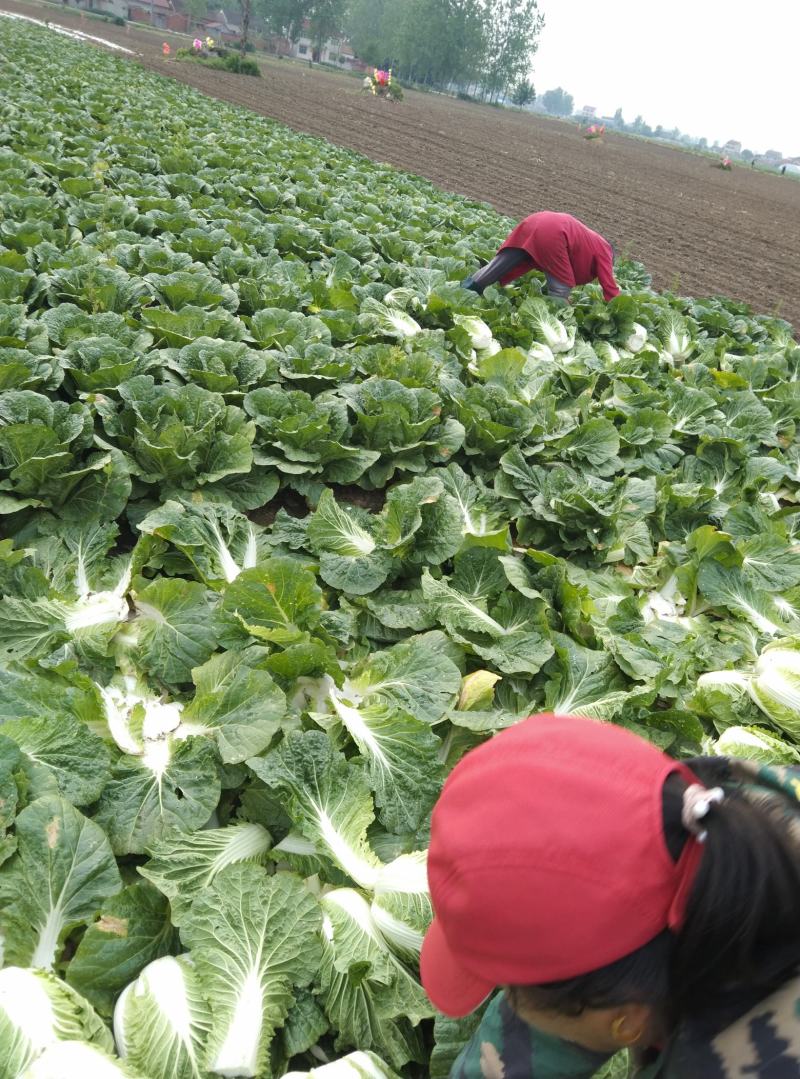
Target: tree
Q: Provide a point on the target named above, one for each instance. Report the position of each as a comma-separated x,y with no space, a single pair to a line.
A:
246,7
524,93
283,16
325,18
511,36
618,120
558,102
748,155
702,144
196,9
366,26
463,44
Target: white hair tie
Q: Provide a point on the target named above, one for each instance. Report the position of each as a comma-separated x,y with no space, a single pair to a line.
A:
697,801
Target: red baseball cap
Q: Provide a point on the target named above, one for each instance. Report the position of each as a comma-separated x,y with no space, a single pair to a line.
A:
548,859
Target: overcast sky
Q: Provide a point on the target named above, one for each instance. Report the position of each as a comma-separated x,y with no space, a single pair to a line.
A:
726,69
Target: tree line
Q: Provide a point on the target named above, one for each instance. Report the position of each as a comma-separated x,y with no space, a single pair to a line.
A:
480,47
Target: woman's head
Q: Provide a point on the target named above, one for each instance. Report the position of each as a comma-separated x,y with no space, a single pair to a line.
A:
620,1005
568,844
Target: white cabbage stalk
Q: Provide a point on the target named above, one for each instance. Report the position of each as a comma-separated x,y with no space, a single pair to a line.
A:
161,1019
160,718
491,349
665,605
357,1065
98,608
295,843
607,352
679,345
541,353
402,324
226,559
677,341
390,321
129,711
250,557
402,297
638,339
547,327
479,333
76,1060
38,1010
401,906
557,336
311,694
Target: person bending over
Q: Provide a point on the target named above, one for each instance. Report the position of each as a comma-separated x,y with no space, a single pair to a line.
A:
561,247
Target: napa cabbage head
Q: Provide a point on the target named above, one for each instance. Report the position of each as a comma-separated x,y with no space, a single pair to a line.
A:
773,683
607,352
388,321
37,1011
86,601
218,541
540,353
675,337
755,744
480,335
546,327
637,339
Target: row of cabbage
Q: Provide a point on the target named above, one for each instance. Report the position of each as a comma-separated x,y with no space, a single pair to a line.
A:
291,521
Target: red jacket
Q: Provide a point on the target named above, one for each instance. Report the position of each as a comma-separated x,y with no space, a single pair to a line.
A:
562,246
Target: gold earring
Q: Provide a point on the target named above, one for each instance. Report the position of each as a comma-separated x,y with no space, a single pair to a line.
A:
626,1040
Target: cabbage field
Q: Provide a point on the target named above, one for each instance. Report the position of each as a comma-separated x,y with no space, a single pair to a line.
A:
291,521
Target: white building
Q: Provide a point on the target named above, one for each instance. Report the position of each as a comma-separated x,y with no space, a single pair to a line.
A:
334,51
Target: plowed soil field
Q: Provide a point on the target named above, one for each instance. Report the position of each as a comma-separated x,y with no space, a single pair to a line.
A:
699,230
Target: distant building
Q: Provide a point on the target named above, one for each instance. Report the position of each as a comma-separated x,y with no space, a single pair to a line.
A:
220,25
773,157
732,147
589,112
117,8
337,51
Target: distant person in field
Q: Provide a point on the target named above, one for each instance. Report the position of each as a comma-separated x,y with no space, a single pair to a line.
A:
561,247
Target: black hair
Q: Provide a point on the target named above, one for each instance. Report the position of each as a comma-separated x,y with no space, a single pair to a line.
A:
742,924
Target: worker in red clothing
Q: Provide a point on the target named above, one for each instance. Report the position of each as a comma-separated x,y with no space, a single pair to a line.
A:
561,246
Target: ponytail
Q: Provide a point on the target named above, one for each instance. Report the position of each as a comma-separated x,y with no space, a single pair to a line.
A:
742,924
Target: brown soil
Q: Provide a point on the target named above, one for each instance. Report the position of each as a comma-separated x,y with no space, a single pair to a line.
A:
698,229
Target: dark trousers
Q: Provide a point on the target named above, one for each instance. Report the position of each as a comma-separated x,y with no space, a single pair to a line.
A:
505,261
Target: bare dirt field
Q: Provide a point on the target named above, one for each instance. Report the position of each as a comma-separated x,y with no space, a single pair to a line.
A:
699,230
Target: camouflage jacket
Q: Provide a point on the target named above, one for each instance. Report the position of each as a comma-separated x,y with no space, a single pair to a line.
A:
740,1038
